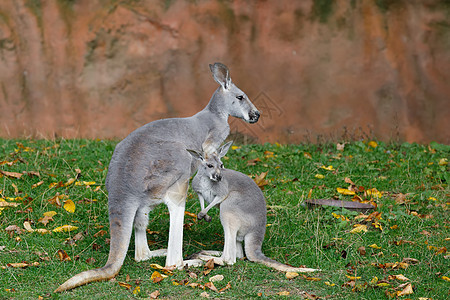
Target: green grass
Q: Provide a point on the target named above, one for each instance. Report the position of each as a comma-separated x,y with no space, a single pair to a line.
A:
296,235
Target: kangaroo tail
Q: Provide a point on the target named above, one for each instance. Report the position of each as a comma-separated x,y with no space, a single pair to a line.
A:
120,239
253,252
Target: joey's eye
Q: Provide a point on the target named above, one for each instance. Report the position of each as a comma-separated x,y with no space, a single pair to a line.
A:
240,97
221,166
210,166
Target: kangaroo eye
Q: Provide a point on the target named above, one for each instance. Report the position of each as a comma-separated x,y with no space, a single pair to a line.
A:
210,166
240,97
221,166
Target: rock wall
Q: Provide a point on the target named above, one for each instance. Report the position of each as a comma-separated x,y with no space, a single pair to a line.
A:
317,69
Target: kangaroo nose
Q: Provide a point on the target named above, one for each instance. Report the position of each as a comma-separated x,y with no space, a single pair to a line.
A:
254,116
217,177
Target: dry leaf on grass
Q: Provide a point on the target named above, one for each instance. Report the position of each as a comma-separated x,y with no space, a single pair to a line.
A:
211,286
22,265
4,203
63,256
400,277
407,290
125,285
252,162
100,233
27,226
210,264
14,228
260,179
155,294
157,277
228,286
11,174
216,278
45,220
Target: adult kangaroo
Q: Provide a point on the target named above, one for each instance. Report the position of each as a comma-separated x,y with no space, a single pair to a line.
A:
151,166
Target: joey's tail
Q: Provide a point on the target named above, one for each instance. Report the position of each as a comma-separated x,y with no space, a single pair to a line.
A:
253,252
120,231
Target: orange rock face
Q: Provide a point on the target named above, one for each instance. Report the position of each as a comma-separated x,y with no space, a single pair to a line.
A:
317,71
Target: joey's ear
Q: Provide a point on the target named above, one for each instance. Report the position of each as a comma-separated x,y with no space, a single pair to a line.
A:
195,154
221,74
224,149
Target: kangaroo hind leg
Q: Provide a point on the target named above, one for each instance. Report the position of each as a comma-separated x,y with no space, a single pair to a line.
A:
175,199
142,252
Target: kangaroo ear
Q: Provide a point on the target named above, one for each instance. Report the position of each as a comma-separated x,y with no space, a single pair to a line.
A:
224,149
221,74
195,154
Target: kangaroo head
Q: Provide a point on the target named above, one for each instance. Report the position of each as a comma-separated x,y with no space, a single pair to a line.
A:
211,165
234,101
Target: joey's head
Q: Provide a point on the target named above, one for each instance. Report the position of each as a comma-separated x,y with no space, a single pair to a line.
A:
211,165
233,101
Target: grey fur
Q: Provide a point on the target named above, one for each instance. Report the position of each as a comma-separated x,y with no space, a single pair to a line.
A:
151,166
242,213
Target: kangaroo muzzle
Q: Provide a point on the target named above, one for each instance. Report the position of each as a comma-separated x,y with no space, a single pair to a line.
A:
253,116
216,177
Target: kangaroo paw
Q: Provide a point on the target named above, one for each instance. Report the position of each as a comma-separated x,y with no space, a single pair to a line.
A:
146,255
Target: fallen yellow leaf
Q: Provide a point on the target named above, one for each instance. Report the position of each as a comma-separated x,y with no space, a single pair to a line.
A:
372,144
136,290
343,218
311,278
375,246
359,228
443,161
65,228
374,193
85,183
157,277
345,191
353,277
268,154
290,275
283,293
383,284
70,181
329,168
445,278
69,206
329,284
319,176
50,213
